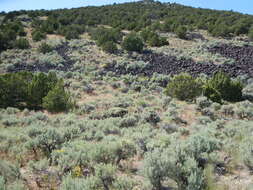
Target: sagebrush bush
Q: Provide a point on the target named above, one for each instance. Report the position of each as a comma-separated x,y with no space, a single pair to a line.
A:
106,173
184,87
45,48
9,172
154,169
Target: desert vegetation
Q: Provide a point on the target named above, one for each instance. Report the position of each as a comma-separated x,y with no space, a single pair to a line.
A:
134,96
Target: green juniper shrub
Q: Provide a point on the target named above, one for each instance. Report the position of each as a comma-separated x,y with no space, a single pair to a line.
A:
22,43
250,34
106,38
181,32
57,99
133,42
184,87
109,47
221,86
157,41
38,35
219,30
24,89
71,35
45,48
152,38
39,87
13,88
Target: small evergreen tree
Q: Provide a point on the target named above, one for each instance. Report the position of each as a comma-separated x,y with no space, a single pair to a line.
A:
181,32
250,34
58,99
38,35
109,47
38,89
184,87
22,43
221,85
133,42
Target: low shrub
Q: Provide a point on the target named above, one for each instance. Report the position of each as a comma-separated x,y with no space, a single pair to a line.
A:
181,32
133,42
106,173
150,116
184,87
109,47
221,86
57,100
45,48
38,35
22,43
250,34
153,39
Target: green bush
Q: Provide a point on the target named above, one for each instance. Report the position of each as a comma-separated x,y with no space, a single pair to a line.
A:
133,42
154,169
23,89
9,171
221,30
106,173
181,32
45,48
152,38
184,87
38,35
109,47
157,41
107,38
13,88
39,87
250,34
69,35
22,43
57,100
221,86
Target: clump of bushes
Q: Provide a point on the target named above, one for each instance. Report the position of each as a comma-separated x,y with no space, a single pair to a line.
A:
181,32
109,47
219,87
38,35
9,33
250,34
25,89
153,39
45,48
107,39
22,43
184,87
182,162
133,42
222,87
57,99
